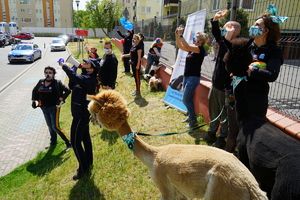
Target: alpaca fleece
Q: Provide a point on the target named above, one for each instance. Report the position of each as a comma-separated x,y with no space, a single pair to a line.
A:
180,171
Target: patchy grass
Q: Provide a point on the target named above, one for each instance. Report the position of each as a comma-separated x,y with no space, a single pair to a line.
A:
116,173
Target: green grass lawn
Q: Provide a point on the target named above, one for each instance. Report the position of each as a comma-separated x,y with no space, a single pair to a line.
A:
116,173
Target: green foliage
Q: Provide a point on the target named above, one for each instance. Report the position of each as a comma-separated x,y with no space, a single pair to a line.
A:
104,14
241,17
174,26
159,31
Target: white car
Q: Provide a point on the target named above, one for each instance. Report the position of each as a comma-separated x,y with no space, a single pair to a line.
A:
57,44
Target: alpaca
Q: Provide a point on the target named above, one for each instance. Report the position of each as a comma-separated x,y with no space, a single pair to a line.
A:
271,155
179,171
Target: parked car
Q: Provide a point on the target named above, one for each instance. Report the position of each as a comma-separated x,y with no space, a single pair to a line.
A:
3,40
65,38
57,44
74,38
25,51
11,39
31,34
22,36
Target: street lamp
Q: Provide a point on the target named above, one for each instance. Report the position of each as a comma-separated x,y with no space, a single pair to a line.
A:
78,40
77,3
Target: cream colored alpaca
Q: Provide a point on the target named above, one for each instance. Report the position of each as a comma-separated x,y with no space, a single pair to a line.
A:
180,171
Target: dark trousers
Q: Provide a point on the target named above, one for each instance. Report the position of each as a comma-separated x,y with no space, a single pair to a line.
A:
51,115
126,64
81,143
136,75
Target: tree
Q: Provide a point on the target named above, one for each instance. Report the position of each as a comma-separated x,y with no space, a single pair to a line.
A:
241,17
159,31
104,14
174,26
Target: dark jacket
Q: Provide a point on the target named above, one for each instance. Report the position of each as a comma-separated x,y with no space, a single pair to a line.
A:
257,85
62,90
84,84
127,41
108,70
221,78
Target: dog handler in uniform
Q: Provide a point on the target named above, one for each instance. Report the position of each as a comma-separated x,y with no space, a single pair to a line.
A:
49,93
81,85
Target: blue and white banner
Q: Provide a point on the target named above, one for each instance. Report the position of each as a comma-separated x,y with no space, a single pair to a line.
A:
195,23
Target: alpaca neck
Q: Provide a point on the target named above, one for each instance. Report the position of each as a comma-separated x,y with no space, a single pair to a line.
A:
141,149
243,111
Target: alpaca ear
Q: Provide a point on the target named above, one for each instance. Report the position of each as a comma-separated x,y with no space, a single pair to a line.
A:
227,43
249,42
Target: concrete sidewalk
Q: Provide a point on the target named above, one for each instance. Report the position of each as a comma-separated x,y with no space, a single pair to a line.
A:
24,132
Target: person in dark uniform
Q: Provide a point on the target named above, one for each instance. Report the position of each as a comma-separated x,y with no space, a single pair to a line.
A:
50,93
126,48
108,67
81,85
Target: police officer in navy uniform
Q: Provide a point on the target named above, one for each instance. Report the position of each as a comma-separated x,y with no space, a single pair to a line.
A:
81,85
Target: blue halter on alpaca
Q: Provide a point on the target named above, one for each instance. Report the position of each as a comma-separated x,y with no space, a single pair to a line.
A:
129,140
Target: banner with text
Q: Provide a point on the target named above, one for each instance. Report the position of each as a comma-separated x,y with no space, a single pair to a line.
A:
195,23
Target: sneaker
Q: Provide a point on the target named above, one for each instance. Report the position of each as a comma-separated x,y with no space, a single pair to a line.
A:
220,143
69,146
136,93
186,120
192,123
209,137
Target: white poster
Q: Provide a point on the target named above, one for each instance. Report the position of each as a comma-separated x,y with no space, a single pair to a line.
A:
195,23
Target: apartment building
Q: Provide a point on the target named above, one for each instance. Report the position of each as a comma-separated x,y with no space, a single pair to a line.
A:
38,13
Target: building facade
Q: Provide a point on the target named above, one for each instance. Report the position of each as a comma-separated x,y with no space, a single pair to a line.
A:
38,13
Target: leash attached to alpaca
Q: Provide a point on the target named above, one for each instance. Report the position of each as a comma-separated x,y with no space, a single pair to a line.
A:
179,171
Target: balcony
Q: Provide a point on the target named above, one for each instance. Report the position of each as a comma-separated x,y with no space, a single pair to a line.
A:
168,2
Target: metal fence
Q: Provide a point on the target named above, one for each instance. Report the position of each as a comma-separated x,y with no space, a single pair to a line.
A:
285,91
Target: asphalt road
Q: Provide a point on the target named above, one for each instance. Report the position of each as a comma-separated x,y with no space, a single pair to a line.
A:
23,131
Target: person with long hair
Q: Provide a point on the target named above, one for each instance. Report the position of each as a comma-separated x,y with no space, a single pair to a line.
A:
135,56
154,53
192,70
264,49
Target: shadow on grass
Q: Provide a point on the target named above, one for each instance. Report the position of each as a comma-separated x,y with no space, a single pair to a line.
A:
44,165
86,189
140,101
109,136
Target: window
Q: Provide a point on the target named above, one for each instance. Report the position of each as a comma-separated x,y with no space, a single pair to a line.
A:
23,20
216,4
146,10
29,11
22,11
30,20
127,1
246,4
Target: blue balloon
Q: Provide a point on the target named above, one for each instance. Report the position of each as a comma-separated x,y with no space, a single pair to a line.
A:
122,21
128,26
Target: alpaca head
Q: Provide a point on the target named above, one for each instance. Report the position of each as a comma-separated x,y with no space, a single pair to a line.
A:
238,57
110,109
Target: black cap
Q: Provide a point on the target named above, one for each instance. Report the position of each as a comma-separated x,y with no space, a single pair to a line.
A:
92,61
